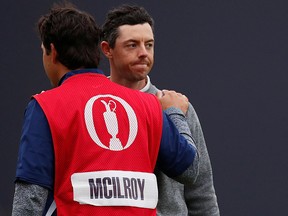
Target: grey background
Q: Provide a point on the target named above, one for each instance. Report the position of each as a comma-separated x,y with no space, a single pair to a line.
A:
228,57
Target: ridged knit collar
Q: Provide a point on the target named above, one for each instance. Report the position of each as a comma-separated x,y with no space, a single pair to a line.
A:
80,71
147,86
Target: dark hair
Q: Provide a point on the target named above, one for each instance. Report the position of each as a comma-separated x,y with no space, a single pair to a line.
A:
123,15
74,34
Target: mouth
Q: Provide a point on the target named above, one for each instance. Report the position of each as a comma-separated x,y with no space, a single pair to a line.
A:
141,65
141,62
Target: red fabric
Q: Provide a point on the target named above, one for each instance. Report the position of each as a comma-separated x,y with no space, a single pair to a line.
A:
75,150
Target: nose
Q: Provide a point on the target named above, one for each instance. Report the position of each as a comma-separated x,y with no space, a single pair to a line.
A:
142,51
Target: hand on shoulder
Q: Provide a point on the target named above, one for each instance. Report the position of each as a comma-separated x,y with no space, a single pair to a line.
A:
170,98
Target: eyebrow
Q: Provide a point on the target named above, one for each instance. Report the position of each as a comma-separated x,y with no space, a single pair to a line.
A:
135,41
151,40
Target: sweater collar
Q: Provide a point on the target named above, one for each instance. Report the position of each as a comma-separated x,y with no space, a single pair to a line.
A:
147,86
79,71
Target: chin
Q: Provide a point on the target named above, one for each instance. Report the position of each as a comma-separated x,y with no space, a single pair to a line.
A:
142,75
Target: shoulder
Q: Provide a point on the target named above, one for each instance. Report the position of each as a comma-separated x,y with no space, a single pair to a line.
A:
191,114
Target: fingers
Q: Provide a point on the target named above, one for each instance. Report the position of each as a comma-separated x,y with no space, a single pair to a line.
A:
172,92
186,99
170,98
159,94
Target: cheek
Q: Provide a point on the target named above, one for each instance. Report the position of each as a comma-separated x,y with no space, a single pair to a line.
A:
123,59
44,63
151,58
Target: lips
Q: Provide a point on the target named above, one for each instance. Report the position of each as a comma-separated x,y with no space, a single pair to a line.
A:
141,66
141,63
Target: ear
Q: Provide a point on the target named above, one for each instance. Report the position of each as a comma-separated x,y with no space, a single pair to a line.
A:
53,53
106,49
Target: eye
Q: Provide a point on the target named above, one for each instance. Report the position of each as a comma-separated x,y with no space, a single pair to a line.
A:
131,45
149,45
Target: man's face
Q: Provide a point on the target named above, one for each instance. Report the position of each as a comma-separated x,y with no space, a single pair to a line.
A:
133,54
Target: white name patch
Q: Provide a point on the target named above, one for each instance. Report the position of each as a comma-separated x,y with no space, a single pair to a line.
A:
115,188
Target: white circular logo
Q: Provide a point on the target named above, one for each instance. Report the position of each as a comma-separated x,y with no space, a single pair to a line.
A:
111,121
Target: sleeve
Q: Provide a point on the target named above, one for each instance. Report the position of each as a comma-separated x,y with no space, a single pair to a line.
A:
177,152
36,195
35,163
200,197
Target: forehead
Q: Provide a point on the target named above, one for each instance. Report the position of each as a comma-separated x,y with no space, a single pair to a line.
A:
135,32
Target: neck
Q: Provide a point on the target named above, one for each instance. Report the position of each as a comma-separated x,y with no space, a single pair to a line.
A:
137,85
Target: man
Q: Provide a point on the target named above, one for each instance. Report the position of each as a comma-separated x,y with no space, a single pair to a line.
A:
91,142
128,43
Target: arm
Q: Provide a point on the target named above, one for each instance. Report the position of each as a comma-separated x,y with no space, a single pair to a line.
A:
34,194
181,124
200,197
176,105
177,153
35,165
